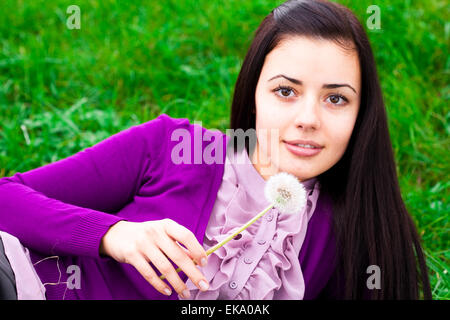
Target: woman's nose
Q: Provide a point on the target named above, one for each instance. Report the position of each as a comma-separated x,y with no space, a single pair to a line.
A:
307,113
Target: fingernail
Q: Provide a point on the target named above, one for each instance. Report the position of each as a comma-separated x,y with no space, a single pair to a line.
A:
203,285
167,291
203,262
186,294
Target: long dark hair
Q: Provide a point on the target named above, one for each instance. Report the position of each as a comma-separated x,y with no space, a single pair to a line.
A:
371,223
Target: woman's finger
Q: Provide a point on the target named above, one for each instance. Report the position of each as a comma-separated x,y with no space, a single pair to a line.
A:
166,268
185,237
185,251
144,268
175,253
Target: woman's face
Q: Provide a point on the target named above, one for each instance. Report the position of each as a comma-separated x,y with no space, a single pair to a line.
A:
308,89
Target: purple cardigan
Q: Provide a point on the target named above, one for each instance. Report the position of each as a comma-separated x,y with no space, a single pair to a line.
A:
64,208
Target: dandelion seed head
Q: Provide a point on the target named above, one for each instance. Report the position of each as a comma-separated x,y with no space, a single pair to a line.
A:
286,193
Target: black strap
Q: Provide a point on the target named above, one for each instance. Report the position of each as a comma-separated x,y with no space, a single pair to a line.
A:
7,279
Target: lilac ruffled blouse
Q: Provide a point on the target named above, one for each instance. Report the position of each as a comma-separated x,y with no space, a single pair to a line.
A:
263,262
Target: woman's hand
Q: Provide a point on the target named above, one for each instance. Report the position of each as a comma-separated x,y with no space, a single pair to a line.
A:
138,243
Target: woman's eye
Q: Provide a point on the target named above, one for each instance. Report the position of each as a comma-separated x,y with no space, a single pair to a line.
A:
335,98
284,92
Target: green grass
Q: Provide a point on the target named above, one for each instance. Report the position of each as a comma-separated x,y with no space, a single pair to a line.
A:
63,90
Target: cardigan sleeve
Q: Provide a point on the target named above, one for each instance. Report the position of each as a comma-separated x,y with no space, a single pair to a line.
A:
67,206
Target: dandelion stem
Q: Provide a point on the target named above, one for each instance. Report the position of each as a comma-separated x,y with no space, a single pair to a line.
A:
245,226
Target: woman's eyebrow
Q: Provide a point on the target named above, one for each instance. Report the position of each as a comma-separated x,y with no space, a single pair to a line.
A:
326,86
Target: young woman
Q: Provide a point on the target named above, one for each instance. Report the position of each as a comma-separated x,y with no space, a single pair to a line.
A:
106,222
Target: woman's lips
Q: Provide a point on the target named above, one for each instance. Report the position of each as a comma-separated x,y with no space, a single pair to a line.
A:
302,152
